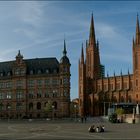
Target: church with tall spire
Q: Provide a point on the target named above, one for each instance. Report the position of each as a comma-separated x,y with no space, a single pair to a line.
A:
97,92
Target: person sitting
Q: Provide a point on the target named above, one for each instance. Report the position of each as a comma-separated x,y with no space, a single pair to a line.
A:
102,128
98,129
91,128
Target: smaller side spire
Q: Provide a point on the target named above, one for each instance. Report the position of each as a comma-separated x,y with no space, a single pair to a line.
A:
97,45
128,72
133,41
82,54
121,72
64,51
107,74
114,74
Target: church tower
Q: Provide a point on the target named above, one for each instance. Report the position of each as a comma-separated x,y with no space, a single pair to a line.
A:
136,63
82,86
92,55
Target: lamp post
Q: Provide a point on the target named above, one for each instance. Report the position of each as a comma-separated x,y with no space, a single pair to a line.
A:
53,112
75,111
8,107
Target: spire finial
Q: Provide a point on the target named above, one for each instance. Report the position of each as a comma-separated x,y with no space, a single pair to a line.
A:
19,54
107,74
121,72
114,73
92,32
137,30
64,51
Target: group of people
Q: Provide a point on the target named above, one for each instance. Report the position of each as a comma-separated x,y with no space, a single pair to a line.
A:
97,129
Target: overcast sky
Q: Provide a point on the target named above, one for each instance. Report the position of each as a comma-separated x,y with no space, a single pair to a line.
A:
38,30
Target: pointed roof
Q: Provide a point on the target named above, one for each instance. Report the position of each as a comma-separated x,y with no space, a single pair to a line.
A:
19,55
82,54
137,30
92,31
64,59
64,51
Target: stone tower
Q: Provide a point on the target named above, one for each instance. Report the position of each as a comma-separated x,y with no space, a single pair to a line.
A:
65,83
136,63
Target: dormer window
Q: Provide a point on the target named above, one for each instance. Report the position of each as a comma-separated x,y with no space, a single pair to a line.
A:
1,74
39,71
9,73
31,72
17,72
55,71
47,71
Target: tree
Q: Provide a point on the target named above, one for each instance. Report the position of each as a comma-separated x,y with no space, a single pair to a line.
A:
48,108
119,111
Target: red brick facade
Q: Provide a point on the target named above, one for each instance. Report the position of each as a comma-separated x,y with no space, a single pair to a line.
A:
28,85
96,91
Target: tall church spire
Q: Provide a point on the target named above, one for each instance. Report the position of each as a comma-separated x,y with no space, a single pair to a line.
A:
92,32
137,31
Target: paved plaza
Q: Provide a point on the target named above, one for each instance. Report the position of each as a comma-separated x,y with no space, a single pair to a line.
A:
42,129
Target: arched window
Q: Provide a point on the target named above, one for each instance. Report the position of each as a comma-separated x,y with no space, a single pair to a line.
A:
114,99
54,104
122,99
39,72
19,106
1,106
30,106
38,106
8,106
47,71
129,99
31,72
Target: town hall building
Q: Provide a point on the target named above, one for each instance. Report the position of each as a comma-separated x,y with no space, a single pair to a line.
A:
27,86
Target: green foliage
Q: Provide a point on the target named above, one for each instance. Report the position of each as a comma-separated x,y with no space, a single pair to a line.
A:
48,108
113,118
119,111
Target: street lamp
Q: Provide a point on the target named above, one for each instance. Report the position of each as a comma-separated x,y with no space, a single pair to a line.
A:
53,112
75,111
8,107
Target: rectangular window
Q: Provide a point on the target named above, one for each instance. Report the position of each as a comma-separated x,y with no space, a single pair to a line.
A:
105,87
99,87
31,83
40,82
39,94
137,82
118,87
19,83
111,87
19,95
48,82
31,94
55,82
125,85
9,95
65,81
1,95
